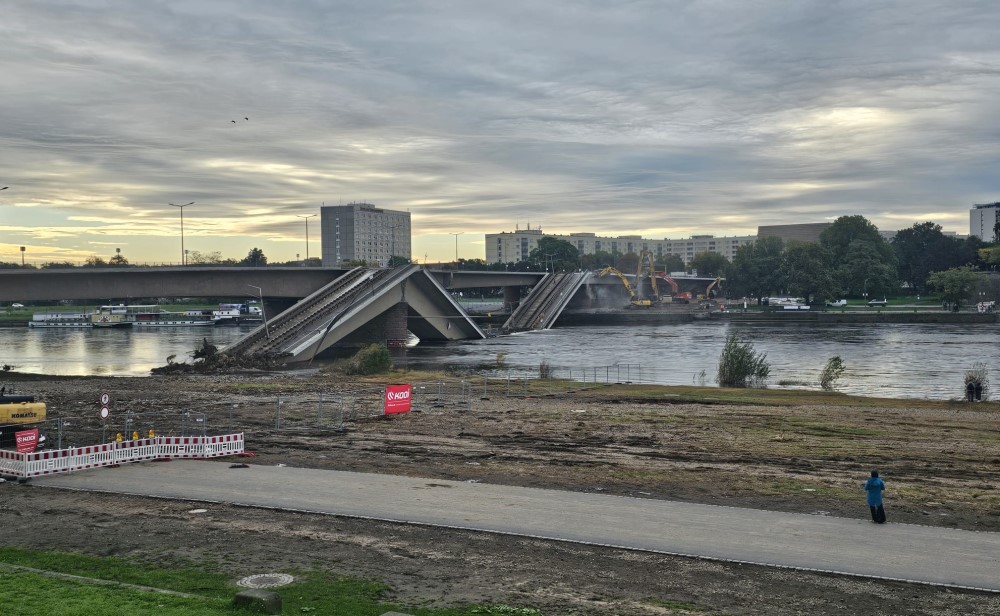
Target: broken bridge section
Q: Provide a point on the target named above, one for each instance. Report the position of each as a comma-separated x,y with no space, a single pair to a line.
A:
363,305
546,302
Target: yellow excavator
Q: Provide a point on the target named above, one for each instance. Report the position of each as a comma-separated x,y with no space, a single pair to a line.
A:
633,299
15,413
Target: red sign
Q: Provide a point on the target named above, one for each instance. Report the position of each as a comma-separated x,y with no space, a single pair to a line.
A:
397,399
27,440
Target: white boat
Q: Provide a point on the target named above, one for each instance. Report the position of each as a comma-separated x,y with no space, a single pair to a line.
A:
60,320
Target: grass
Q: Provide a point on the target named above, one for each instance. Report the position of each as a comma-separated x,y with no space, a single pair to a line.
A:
37,594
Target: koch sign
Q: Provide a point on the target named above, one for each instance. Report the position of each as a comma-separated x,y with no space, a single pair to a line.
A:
397,399
26,440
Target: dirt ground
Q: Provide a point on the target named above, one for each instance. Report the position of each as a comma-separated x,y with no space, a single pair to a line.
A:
939,462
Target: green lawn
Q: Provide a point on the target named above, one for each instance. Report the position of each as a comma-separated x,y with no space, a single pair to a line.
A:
208,592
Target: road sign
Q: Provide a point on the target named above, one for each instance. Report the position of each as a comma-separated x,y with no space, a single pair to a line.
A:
105,411
105,398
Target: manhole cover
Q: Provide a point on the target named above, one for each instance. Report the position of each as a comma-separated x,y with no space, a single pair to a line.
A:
266,580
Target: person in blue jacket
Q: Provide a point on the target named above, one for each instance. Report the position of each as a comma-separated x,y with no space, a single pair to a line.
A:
875,486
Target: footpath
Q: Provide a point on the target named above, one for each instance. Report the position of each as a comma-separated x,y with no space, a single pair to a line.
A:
924,554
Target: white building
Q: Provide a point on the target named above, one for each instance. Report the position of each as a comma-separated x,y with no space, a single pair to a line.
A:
983,219
511,247
363,232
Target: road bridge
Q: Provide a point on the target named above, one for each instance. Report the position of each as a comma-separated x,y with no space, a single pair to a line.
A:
117,284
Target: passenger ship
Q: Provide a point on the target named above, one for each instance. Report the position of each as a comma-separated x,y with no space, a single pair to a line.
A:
148,316
60,319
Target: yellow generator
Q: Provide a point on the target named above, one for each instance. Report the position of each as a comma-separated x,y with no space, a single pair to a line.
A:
18,413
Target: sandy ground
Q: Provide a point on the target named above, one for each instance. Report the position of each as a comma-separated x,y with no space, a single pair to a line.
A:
939,463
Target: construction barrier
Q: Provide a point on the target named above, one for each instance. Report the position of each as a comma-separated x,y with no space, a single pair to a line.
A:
25,465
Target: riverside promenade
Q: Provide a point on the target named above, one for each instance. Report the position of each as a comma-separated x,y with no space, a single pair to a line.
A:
923,554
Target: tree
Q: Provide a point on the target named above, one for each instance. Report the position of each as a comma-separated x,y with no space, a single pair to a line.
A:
597,260
627,263
254,258
955,284
95,261
204,258
709,263
396,261
554,254
56,265
864,270
923,249
844,231
807,271
670,263
118,261
741,366
756,269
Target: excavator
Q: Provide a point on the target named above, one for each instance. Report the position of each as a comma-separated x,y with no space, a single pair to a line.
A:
16,412
681,297
634,300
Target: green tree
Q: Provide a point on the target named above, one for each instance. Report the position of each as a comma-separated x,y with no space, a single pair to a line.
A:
627,263
254,258
864,270
56,265
709,264
670,263
838,237
597,260
955,284
807,271
741,366
756,269
924,248
397,260
554,254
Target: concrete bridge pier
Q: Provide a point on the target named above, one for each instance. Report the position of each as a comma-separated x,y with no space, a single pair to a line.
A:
388,328
511,298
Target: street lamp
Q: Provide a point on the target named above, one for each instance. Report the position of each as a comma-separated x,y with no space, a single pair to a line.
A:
263,313
22,256
182,206
456,244
306,217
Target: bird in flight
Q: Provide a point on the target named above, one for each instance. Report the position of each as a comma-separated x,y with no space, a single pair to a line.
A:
247,119
233,121
5,188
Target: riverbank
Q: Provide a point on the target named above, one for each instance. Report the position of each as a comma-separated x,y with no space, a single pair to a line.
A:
785,450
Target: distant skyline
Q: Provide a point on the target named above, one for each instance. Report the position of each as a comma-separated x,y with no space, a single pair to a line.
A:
654,118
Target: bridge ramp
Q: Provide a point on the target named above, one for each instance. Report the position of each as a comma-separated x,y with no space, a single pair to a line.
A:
546,302
353,300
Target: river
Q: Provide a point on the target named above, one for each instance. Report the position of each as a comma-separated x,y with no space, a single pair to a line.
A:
890,360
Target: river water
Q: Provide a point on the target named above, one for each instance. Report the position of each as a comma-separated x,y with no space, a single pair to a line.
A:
890,360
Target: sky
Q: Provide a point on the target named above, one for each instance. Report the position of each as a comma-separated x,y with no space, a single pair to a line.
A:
659,118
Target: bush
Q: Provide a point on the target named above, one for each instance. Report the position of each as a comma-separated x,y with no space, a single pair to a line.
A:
740,366
833,371
371,359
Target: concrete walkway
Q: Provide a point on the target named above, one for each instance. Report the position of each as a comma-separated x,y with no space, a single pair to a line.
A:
892,551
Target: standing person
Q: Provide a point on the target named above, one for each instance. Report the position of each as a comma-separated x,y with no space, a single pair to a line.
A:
875,486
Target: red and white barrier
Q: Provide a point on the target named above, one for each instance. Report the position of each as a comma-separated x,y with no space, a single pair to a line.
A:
24,465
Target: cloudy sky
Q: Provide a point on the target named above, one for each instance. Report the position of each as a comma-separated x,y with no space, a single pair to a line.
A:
661,118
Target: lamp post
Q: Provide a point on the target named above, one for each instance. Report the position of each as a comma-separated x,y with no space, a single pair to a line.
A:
456,244
263,313
182,206
22,256
306,218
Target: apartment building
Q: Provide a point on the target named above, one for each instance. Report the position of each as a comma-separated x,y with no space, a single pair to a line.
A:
514,246
983,219
363,232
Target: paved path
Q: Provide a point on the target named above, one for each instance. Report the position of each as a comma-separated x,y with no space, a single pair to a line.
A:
856,547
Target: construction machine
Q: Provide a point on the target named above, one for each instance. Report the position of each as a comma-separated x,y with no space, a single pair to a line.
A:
17,413
681,297
634,300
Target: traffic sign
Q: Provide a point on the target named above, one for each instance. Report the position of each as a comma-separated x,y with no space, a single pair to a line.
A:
105,411
105,398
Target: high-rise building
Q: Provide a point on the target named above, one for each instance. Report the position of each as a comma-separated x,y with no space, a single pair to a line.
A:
983,219
515,246
803,232
362,232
